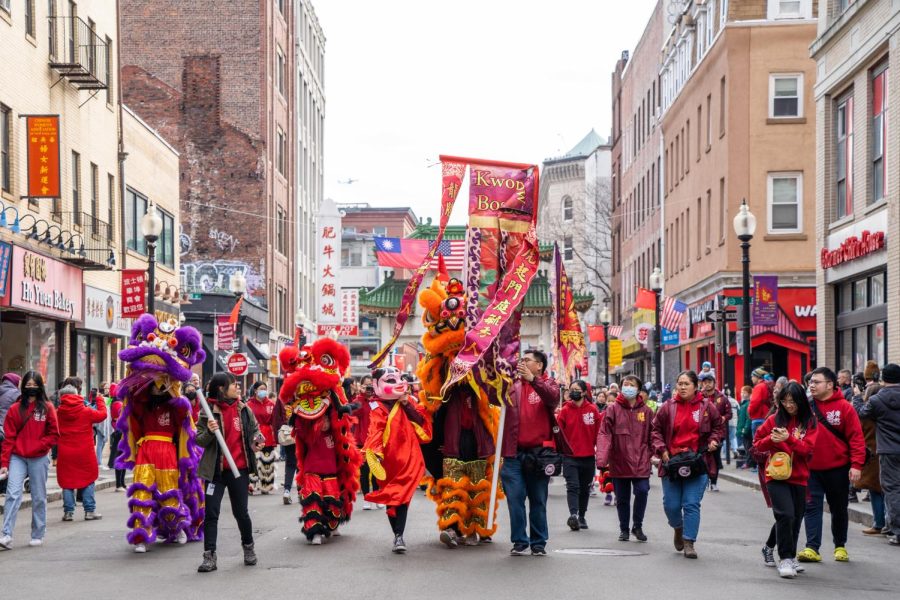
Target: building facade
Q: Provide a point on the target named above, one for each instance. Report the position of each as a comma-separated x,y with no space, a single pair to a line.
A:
738,123
858,153
226,103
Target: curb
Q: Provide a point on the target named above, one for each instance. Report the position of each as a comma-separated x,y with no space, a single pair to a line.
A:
856,513
56,494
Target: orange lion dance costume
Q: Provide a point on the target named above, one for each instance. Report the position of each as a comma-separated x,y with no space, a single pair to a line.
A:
327,457
459,457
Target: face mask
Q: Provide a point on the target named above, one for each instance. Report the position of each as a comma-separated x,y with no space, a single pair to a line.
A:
262,394
629,392
30,392
191,395
575,394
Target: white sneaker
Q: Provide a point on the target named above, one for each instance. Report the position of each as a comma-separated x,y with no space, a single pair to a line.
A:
317,540
786,569
6,542
140,548
36,542
181,538
336,533
798,566
379,506
104,468
367,506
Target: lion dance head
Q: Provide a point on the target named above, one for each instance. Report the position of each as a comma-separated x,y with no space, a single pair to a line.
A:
316,375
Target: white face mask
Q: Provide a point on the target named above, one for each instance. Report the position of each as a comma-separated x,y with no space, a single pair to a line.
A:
629,391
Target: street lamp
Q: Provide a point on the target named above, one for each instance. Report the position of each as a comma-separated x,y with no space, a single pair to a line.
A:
238,285
745,227
656,283
605,318
151,228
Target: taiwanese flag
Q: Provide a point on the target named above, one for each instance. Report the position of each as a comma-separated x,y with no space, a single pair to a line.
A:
400,253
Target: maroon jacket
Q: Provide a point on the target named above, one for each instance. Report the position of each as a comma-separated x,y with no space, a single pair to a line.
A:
712,428
547,389
453,416
624,442
723,406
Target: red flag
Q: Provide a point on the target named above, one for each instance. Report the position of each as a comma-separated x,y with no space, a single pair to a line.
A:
236,311
645,299
595,333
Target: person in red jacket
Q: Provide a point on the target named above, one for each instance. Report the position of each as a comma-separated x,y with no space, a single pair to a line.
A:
791,430
263,408
709,390
687,425
30,430
760,400
362,404
579,421
837,460
76,464
624,446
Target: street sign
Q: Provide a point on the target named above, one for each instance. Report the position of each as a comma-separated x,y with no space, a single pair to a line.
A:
734,301
237,364
196,296
717,316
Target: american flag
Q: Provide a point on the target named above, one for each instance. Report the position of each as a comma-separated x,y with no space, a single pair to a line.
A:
454,252
615,331
672,313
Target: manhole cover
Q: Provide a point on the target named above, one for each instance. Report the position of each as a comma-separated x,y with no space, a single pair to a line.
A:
599,552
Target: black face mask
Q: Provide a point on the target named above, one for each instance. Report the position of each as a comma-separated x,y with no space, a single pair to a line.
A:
575,395
190,395
30,392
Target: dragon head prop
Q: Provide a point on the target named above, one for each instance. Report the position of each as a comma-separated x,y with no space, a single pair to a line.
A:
318,371
444,315
163,348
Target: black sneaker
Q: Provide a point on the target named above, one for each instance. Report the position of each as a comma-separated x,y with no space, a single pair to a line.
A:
399,545
639,534
519,550
623,536
538,551
582,523
572,522
852,498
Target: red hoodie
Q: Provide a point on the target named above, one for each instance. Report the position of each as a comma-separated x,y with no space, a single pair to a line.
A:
579,425
799,445
831,452
760,402
31,436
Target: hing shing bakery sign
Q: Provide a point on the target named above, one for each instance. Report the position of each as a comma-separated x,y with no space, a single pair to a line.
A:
44,285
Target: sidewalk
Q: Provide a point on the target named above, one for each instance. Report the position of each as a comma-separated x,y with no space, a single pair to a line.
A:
107,479
859,513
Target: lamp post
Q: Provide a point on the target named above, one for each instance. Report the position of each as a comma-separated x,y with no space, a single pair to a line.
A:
151,228
237,284
605,318
745,227
656,281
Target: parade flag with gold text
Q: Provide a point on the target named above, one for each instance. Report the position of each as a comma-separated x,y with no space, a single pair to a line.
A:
568,339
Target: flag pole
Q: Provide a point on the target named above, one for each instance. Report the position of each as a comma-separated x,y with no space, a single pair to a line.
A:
495,476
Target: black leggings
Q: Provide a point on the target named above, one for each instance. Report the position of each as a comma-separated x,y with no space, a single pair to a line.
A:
788,504
290,466
366,482
579,473
398,519
238,493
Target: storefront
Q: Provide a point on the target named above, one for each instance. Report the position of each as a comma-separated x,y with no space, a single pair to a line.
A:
854,264
99,338
42,296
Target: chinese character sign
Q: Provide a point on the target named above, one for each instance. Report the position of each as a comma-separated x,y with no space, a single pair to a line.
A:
328,263
134,290
43,156
5,256
569,339
765,300
350,308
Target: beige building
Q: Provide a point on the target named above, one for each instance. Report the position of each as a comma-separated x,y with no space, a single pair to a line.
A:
858,263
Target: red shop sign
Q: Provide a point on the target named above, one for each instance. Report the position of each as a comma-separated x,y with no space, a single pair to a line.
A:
852,248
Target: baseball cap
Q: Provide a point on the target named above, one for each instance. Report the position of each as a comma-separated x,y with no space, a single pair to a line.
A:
705,376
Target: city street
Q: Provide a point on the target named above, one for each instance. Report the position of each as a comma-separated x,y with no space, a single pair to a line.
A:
91,559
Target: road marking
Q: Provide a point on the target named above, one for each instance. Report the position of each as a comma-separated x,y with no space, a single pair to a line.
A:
599,552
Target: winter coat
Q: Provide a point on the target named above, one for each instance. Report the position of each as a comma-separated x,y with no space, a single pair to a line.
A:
547,389
760,401
743,422
799,445
884,409
723,406
76,463
29,436
624,442
580,425
9,393
211,461
711,429
831,452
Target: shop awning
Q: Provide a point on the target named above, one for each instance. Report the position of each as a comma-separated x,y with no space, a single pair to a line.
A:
258,352
784,328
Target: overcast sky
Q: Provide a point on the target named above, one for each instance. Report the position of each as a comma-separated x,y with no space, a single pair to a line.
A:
407,80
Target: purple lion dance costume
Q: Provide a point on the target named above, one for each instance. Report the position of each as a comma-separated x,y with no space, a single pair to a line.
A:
166,496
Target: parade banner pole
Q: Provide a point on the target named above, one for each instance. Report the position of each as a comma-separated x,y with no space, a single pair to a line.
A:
495,476
218,433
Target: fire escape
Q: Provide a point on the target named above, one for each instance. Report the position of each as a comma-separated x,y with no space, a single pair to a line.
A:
78,54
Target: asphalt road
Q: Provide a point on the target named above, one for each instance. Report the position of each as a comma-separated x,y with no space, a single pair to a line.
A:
92,560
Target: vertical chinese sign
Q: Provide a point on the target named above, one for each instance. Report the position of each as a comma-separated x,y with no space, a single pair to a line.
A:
328,261
569,345
5,256
350,312
134,290
765,300
43,156
225,331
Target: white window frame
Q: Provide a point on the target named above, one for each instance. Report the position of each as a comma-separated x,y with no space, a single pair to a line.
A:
723,13
379,230
568,248
798,175
800,90
774,11
5,5
570,209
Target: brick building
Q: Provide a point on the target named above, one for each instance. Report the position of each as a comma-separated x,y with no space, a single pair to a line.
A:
226,103
858,150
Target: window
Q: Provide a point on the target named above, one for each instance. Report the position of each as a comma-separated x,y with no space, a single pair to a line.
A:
786,95
51,27
279,224
29,18
279,150
4,4
110,207
687,147
380,231
91,47
95,198
861,320
568,250
723,13
279,70
708,229
280,5
723,213
789,9
76,186
708,121
785,194
699,226
135,208
351,255
844,156
5,148
165,247
348,230
879,131
722,107
699,129
109,75
567,209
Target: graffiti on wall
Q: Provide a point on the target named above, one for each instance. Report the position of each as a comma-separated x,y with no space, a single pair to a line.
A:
185,243
214,276
223,240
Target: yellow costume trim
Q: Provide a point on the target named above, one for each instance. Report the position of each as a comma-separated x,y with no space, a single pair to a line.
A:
423,436
375,468
387,425
155,438
462,496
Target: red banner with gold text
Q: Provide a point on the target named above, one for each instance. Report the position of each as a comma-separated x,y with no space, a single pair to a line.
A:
43,155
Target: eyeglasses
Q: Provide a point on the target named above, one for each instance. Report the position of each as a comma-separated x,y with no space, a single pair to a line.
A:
816,381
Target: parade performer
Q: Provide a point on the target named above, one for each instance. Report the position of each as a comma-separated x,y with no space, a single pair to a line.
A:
463,420
166,497
397,427
327,457
263,408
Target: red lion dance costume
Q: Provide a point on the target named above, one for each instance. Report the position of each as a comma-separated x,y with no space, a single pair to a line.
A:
327,457
166,497
459,457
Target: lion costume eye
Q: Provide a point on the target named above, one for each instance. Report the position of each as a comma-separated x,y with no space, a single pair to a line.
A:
327,361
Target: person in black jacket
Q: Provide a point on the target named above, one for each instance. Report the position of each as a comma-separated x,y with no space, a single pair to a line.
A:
884,409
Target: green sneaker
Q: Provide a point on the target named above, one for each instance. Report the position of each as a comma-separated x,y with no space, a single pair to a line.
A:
809,555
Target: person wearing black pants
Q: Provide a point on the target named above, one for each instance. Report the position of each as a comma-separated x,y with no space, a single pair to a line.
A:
579,423
242,441
788,505
290,469
578,473
397,519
